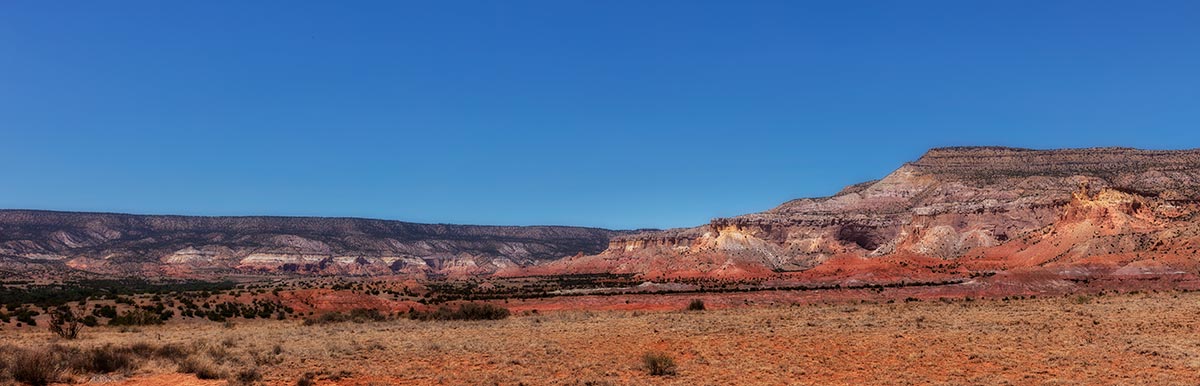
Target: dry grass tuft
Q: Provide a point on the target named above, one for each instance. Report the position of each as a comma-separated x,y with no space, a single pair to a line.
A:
34,367
203,366
658,363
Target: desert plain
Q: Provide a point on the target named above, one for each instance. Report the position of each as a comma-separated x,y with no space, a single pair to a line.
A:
1111,337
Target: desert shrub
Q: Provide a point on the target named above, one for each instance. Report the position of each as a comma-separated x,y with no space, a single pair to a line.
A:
5,351
171,351
696,305
25,315
34,367
136,317
219,354
484,311
64,323
339,375
360,315
202,366
105,359
332,317
658,363
467,311
247,376
306,380
357,315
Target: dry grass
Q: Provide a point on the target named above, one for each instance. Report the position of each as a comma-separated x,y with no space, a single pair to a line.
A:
1124,339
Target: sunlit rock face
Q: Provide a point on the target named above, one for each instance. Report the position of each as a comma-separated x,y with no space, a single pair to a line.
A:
989,206
117,244
954,210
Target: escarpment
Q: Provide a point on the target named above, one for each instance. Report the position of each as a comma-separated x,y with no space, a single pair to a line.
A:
188,246
953,211
987,207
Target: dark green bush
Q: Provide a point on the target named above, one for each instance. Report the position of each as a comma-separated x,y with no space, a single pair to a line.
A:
696,305
467,311
357,315
136,317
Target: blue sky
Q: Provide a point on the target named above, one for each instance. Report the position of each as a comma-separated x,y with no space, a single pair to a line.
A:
619,114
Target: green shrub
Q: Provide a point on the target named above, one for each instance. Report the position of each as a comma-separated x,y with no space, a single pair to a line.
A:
467,311
136,317
357,315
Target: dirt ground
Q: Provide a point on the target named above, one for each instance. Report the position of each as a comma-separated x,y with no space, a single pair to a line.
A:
1146,338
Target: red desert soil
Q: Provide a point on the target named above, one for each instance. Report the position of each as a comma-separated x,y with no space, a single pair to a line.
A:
1142,338
168,379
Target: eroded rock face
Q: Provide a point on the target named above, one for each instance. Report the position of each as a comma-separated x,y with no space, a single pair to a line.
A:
954,210
991,207
188,246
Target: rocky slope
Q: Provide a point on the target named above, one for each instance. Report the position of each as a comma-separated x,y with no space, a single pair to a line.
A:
38,242
1101,210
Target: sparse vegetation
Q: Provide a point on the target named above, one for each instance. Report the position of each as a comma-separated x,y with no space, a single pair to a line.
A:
203,366
247,376
658,363
306,380
358,315
34,367
105,359
64,323
680,343
136,317
466,311
695,305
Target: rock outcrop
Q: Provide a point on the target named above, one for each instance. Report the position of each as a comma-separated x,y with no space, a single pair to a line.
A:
120,244
982,208
953,211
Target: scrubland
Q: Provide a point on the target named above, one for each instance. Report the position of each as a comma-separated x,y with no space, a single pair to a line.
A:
1139,338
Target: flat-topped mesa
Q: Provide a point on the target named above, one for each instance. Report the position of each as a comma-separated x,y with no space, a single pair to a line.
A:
946,203
1104,162
149,245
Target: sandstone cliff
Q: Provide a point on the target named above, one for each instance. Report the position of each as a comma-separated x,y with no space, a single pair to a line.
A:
974,208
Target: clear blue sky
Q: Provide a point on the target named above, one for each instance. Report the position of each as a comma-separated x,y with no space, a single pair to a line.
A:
618,114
